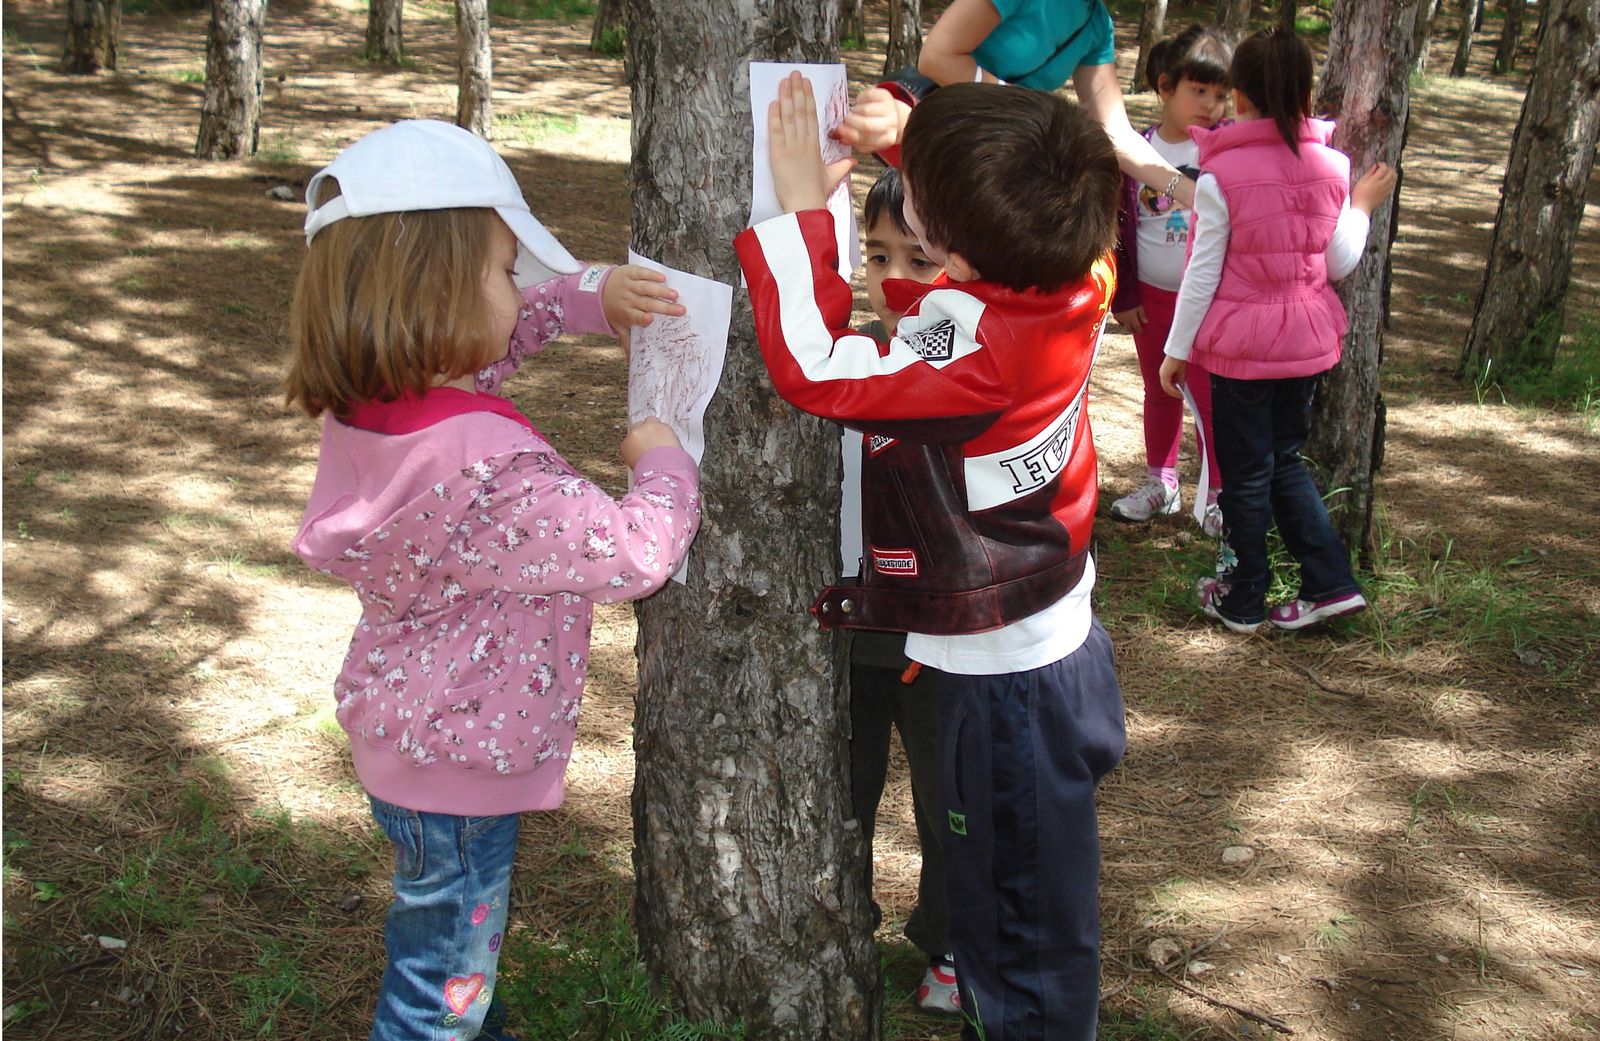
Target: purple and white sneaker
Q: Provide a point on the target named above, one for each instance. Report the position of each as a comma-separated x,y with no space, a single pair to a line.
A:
1298,614
1211,592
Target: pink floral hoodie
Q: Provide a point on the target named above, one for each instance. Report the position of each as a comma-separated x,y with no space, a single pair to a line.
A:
477,553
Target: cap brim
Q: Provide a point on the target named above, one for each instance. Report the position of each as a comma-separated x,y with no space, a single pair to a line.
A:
539,256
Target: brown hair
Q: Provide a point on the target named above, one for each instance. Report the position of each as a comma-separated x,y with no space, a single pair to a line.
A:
1021,183
1273,69
390,303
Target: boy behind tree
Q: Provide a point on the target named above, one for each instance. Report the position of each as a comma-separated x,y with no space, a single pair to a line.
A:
979,492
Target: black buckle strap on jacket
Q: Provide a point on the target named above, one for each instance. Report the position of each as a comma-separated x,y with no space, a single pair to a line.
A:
951,613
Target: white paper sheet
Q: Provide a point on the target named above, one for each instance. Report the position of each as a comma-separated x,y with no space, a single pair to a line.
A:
851,542
832,91
675,363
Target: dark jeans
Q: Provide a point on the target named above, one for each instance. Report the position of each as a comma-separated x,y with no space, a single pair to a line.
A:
879,703
1260,426
1019,758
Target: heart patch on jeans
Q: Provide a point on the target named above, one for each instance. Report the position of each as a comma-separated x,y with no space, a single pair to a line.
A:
460,990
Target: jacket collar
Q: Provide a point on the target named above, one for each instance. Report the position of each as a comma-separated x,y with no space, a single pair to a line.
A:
409,412
1254,132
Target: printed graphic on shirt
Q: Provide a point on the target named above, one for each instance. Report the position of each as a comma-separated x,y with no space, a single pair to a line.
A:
899,562
935,343
876,443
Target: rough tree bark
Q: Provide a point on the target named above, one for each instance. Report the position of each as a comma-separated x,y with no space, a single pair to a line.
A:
1469,17
852,20
607,16
474,68
385,32
1151,22
94,34
230,114
1288,11
1424,34
905,36
1365,85
1233,17
1505,52
1520,311
746,861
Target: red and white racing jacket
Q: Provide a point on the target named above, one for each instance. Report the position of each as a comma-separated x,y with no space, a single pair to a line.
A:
978,481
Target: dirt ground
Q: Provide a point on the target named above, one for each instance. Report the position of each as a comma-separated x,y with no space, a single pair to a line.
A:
1386,832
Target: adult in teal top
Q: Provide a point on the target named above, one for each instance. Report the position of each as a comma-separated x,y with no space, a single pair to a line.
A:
1040,43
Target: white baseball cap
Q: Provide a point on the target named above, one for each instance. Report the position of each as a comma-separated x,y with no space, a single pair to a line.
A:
426,164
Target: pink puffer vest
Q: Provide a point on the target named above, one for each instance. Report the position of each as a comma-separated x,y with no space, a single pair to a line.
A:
1275,315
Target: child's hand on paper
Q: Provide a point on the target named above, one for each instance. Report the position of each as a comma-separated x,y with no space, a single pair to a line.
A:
634,295
875,122
799,179
644,435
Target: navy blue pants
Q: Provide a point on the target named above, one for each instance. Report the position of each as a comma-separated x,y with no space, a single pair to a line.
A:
1259,427
1020,756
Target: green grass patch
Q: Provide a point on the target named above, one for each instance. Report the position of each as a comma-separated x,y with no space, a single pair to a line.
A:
543,10
275,985
1571,384
189,76
589,984
613,42
533,127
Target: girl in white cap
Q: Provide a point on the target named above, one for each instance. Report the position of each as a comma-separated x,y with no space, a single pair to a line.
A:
477,552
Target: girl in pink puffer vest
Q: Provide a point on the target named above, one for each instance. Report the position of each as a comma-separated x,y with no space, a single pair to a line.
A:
1275,223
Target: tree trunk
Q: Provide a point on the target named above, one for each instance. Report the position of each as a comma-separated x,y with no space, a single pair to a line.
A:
385,35
94,33
1505,53
474,68
230,115
1365,85
852,21
1424,33
607,21
750,901
1288,11
1151,23
1233,18
1519,316
1469,13
905,36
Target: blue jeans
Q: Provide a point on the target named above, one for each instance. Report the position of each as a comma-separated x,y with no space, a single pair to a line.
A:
452,881
1259,427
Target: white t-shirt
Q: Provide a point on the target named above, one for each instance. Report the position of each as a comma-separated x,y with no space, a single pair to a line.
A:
1032,643
1162,239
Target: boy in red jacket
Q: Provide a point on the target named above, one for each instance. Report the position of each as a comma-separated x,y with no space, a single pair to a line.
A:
978,492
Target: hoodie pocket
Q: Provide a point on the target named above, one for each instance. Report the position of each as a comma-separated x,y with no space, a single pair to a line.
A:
464,723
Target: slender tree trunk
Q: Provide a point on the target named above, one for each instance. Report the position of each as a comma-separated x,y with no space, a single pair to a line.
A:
1233,17
385,32
607,18
474,68
1365,85
230,114
1505,53
94,34
852,20
1520,312
1424,33
1469,13
1288,11
1151,23
750,901
905,35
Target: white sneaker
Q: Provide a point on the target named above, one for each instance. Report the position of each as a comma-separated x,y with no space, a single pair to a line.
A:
1152,498
938,991
1211,524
